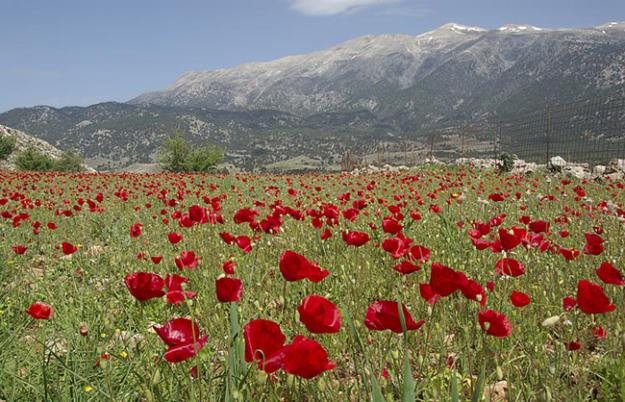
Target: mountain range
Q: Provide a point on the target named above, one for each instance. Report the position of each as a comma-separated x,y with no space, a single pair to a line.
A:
366,91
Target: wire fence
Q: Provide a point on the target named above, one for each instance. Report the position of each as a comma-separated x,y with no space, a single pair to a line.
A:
590,131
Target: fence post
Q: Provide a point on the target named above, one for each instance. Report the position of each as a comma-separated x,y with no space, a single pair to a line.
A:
548,134
431,146
496,133
463,133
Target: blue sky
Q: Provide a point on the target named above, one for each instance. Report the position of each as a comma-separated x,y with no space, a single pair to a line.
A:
80,52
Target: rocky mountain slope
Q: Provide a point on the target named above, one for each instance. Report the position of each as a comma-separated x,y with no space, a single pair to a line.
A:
24,141
369,90
115,135
454,71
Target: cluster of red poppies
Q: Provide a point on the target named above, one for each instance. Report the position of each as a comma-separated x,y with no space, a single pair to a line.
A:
266,344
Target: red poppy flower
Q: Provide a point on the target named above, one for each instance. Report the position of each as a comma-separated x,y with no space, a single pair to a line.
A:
497,197
319,315
40,311
390,225
569,303
519,299
305,358
227,238
497,220
187,260
351,214
539,226
435,209
480,229
579,190
326,234
135,230
384,314
428,294
599,332
510,238
174,238
395,246
145,285
510,267
245,215
183,338
569,254
445,280
415,215
178,331
175,294
68,248
420,253
573,346
228,267
594,244
263,340
494,323
472,290
197,214
295,267
481,244
244,243
355,239
406,267
19,249
591,299
609,274
229,289
156,259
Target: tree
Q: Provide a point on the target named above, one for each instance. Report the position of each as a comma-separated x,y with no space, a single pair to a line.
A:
7,145
173,153
203,159
32,159
176,155
70,161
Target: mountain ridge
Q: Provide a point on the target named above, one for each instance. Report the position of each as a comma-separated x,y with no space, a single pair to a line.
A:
374,89
255,85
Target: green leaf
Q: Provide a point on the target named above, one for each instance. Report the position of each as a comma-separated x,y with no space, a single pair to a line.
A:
376,390
479,386
455,397
408,389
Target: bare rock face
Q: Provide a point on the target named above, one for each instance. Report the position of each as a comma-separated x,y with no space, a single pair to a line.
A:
617,165
450,65
579,171
478,163
24,141
557,162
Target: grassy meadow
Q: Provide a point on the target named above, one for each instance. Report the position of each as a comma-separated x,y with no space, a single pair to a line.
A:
166,287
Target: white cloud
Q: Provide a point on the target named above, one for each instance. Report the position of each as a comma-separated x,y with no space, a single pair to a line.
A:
330,7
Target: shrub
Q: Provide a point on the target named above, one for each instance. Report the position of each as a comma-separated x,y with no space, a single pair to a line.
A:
173,153
70,161
176,155
506,163
32,159
203,159
7,146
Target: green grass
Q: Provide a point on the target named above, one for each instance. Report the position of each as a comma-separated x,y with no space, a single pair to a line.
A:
51,360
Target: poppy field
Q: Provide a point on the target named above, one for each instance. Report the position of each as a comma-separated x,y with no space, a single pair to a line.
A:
443,283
